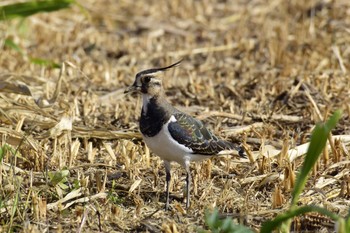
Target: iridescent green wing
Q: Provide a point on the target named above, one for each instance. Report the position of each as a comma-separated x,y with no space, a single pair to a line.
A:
193,134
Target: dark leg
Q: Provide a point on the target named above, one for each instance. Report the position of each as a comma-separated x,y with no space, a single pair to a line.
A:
241,152
168,178
188,183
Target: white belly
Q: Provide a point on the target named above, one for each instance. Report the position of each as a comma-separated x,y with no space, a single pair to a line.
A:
168,149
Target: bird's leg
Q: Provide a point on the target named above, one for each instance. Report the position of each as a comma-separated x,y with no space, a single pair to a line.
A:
168,178
241,152
188,183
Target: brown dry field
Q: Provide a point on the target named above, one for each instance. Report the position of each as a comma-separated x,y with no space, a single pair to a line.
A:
260,73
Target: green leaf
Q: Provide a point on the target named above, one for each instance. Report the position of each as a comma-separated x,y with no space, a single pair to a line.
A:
11,44
2,152
76,184
211,219
44,62
58,177
25,9
215,224
347,222
268,226
343,225
62,185
39,61
318,142
6,148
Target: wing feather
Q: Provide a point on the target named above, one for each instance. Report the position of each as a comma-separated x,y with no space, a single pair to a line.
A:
193,134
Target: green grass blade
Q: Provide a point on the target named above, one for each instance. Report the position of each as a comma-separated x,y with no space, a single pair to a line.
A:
45,62
25,9
269,226
2,152
11,44
347,222
38,61
15,206
317,144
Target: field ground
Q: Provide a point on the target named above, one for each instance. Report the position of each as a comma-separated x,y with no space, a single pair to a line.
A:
260,73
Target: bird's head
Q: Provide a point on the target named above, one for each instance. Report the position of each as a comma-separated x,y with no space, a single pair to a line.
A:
148,81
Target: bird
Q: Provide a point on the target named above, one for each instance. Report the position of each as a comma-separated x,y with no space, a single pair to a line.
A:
170,133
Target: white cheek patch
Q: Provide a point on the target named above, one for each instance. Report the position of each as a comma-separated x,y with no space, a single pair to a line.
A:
157,82
138,82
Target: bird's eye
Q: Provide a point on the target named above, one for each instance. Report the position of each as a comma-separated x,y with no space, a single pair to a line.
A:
147,79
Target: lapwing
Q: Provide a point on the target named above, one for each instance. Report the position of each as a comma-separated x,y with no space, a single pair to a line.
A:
171,134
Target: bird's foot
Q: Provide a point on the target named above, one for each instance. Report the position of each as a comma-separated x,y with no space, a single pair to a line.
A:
168,207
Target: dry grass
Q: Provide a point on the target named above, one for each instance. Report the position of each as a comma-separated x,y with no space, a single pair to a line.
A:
259,72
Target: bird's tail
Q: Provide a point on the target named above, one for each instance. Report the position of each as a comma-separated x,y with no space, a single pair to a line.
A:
230,147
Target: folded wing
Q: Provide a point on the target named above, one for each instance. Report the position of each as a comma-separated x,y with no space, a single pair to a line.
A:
193,134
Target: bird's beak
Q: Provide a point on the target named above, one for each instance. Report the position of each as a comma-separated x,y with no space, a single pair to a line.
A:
132,88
